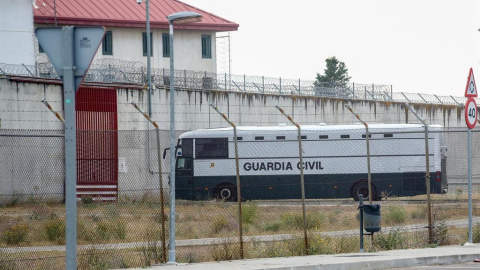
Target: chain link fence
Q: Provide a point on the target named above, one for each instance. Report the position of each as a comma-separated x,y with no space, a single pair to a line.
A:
127,72
130,231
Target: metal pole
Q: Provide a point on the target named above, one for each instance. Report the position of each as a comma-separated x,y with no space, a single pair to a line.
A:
469,139
302,181
360,206
367,137
427,173
237,170
171,253
44,101
70,148
160,177
149,68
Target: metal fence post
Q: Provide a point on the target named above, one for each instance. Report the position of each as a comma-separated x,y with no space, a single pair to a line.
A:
160,177
280,85
367,137
44,101
263,84
302,181
244,84
427,173
237,170
353,89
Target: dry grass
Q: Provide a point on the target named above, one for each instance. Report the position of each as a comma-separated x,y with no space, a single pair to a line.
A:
133,222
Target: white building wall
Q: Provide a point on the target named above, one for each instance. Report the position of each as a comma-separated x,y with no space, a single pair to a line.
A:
16,32
128,46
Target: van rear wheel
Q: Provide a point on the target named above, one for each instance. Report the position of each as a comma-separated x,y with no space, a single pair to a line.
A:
225,192
361,188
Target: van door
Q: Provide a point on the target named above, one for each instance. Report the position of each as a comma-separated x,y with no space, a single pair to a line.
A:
184,185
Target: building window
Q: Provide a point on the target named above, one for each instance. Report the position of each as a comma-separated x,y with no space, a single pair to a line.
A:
144,36
166,45
323,137
364,136
206,46
280,137
344,136
107,46
259,138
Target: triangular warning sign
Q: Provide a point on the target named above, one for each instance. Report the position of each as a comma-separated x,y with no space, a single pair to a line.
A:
471,89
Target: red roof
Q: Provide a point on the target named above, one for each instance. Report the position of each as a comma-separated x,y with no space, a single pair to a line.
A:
124,13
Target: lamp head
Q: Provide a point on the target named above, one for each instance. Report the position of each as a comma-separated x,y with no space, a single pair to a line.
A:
184,17
139,1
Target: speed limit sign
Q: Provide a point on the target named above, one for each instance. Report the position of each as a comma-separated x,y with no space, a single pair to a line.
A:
471,113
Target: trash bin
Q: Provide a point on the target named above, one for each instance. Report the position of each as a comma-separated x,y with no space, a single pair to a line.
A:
372,220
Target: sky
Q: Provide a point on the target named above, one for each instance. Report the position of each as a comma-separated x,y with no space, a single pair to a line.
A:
416,46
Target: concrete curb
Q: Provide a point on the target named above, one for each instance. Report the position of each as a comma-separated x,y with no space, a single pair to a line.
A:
352,261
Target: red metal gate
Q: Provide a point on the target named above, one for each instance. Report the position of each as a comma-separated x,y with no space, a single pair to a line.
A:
97,143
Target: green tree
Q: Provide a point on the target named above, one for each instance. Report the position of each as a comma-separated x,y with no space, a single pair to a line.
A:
336,73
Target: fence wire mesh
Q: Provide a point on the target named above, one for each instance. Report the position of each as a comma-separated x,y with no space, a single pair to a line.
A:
128,231
128,72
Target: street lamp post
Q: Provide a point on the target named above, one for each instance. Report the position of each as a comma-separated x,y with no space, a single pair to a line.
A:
179,17
149,53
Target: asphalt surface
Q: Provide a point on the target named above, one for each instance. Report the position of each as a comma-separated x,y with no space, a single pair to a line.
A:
438,257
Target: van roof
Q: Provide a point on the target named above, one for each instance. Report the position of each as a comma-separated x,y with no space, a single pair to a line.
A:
309,128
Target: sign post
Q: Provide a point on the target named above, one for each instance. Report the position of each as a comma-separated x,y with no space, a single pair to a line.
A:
71,50
471,120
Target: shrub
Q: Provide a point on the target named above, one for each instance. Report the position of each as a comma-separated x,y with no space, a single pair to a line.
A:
6,263
394,240
314,220
475,233
55,230
319,245
225,251
120,229
42,212
152,252
87,199
249,213
92,259
419,213
220,223
273,227
441,233
103,230
395,215
15,234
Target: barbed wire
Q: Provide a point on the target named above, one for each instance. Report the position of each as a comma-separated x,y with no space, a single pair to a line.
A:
129,72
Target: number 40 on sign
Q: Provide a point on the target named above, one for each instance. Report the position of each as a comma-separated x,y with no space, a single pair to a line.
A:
471,113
